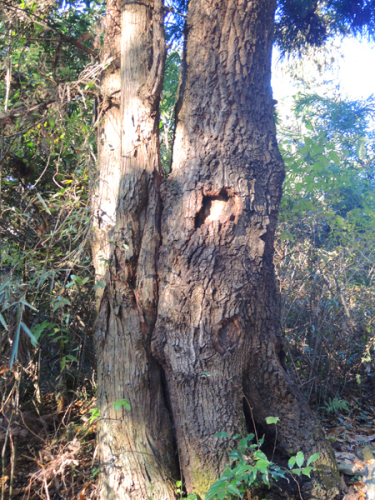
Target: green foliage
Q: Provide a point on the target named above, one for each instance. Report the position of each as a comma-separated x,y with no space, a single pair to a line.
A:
330,168
272,420
94,472
47,156
336,405
167,105
325,243
310,23
95,414
180,492
121,402
249,467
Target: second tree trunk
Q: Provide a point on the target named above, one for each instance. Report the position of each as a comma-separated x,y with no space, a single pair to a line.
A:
218,332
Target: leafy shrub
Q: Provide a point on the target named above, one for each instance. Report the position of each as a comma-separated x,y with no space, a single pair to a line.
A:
249,468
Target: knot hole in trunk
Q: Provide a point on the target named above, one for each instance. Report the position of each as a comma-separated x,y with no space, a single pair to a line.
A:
222,206
227,335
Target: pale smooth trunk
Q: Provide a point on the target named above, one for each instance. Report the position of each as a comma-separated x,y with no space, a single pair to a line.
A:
136,447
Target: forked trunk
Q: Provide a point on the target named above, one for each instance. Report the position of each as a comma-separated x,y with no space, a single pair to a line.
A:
218,330
135,446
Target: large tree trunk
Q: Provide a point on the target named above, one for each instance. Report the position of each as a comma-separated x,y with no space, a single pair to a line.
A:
136,448
218,307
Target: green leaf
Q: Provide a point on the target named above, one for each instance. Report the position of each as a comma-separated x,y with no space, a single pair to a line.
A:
227,475
300,458
38,329
306,471
283,236
28,305
2,321
333,155
221,435
15,346
297,471
215,488
95,471
312,459
44,204
72,358
262,465
241,469
28,332
318,167
291,462
232,488
243,443
121,402
95,413
361,149
272,420
260,455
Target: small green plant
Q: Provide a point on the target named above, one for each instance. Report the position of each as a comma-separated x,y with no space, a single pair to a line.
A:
335,405
249,467
121,402
180,492
94,472
95,412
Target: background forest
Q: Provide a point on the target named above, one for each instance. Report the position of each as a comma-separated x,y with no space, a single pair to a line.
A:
325,251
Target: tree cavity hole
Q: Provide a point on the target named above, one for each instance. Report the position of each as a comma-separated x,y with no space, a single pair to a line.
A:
222,207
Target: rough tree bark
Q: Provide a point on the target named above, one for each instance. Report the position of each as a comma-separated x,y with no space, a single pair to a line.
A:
217,325
218,310
136,449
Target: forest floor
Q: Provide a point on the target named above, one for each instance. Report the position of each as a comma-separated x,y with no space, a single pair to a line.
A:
53,454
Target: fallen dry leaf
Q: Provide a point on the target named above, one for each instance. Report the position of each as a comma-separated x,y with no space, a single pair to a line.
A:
3,481
365,439
4,369
357,491
352,496
82,493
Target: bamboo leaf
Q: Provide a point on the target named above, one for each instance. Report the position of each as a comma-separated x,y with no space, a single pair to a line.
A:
28,332
28,305
44,204
2,321
15,346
